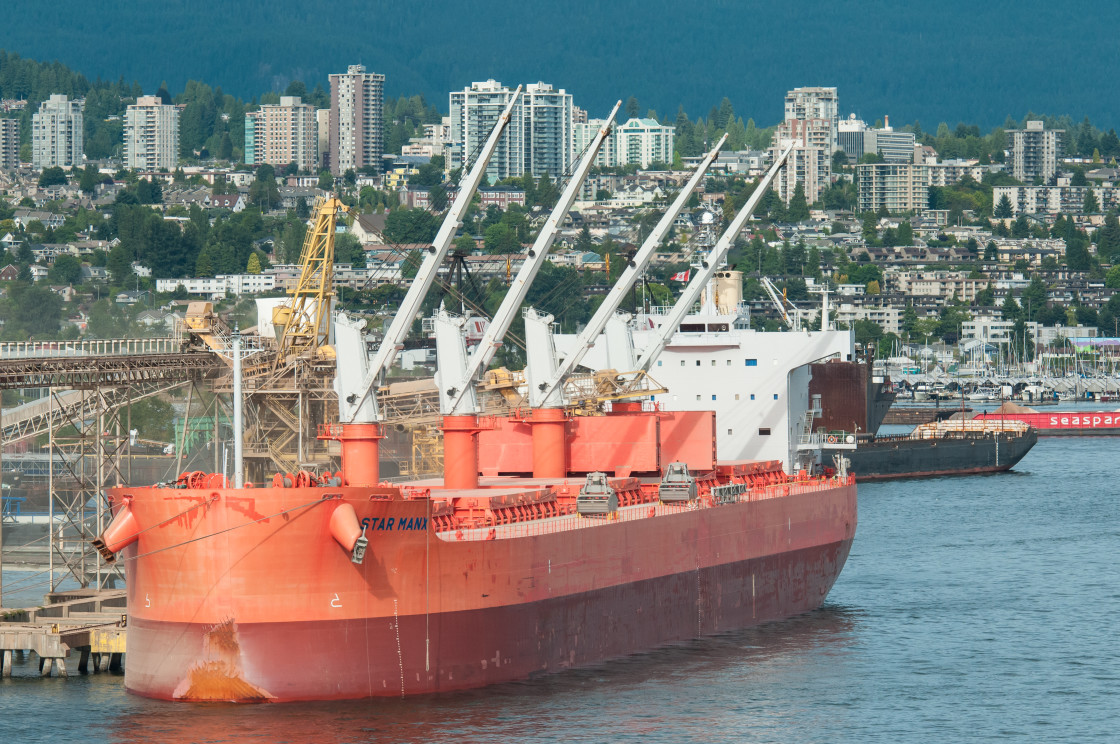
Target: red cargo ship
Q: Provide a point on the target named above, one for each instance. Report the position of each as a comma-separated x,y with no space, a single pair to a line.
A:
585,537
251,594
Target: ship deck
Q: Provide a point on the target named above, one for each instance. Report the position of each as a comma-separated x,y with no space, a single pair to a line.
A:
646,510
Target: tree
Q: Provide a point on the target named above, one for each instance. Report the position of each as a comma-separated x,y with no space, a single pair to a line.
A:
66,269
254,264
326,180
632,108
119,264
1020,228
1112,279
348,250
410,226
905,234
89,179
1004,209
53,176
798,210
986,296
1091,205
991,253
1077,252
1034,296
501,238
264,192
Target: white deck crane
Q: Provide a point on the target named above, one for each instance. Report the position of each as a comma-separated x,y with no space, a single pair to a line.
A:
360,404
793,322
540,355
456,373
709,266
457,389
357,377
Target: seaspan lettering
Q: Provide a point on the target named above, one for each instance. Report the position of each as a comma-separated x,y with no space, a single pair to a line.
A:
1053,420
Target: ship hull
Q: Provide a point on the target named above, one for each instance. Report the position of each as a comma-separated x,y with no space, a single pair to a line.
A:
372,657
281,614
888,458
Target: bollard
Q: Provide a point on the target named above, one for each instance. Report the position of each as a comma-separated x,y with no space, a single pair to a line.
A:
83,660
6,663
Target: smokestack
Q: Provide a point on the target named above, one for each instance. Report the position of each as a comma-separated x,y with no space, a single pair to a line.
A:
886,122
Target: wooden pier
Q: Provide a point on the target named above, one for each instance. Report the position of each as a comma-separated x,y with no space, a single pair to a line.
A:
90,622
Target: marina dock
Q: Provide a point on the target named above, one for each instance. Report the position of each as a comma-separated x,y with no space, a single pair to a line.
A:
88,622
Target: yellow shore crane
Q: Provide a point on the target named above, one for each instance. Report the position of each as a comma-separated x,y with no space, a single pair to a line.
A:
303,325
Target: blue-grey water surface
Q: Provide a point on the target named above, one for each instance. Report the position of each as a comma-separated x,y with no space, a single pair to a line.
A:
971,609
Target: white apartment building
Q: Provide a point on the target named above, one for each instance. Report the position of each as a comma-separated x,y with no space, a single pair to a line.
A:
988,328
57,136
9,143
1054,199
539,138
282,134
357,125
151,135
638,141
900,187
950,172
816,103
810,162
1035,151
220,285
323,129
888,318
941,284
857,139
548,125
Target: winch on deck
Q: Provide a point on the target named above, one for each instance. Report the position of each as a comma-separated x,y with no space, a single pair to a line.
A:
596,498
678,484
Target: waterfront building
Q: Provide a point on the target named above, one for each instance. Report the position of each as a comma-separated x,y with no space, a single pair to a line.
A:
279,134
151,135
638,141
57,137
900,187
538,140
815,103
1035,152
9,143
356,120
857,139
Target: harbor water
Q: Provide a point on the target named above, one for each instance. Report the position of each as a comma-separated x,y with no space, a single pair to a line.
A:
971,609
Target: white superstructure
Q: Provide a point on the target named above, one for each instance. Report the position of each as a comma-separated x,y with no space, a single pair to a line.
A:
757,382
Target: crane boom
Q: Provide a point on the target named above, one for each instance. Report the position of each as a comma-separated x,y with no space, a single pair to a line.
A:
629,275
425,275
779,301
534,259
709,265
304,322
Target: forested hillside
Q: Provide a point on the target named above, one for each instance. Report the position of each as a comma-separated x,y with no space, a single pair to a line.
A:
949,61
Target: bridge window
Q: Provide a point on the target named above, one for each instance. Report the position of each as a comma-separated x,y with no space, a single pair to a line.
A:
713,397
751,362
775,396
752,396
764,432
